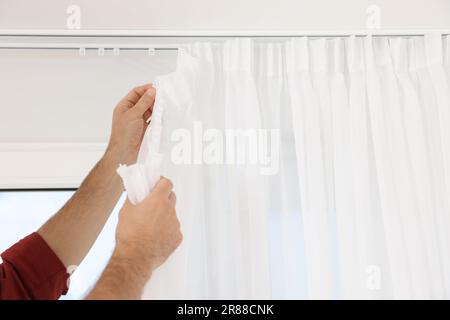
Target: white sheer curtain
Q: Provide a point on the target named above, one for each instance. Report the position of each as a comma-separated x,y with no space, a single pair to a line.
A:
358,205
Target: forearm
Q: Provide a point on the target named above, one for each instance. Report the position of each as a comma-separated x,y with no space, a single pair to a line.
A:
74,229
123,278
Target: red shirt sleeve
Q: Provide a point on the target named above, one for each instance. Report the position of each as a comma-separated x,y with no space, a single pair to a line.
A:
31,270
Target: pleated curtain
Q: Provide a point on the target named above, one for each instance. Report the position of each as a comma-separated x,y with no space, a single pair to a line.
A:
357,204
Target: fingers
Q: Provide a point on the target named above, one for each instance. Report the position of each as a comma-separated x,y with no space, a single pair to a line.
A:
145,103
133,97
172,199
179,238
164,187
147,115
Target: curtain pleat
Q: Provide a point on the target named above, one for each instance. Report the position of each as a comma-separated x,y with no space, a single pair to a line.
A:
356,203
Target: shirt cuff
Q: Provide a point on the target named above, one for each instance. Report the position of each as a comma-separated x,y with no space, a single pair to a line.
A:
40,270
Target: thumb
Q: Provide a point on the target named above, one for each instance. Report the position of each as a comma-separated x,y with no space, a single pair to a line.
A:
163,187
145,102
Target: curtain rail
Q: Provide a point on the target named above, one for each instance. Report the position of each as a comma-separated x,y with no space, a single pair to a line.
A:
62,39
90,46
218,33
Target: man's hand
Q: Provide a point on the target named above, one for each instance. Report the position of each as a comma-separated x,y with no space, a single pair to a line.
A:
73,230
129,123
150,231
146,235
89,208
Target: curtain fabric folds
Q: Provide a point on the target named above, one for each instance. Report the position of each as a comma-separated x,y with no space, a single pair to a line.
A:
348,192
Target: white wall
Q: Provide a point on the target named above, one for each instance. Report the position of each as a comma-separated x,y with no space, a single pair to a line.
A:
55,107
225,14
